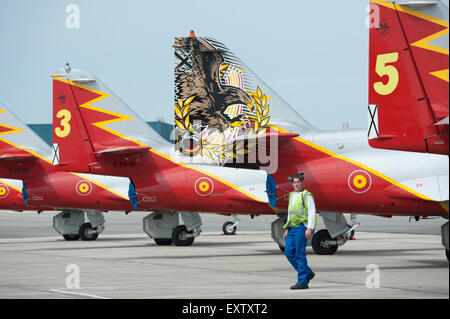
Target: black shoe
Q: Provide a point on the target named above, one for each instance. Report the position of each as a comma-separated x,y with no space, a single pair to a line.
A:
310,276
299,286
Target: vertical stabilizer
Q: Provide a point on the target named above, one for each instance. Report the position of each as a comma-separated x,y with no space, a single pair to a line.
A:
222,91
71,143
102,123
17,139
409,76
221,105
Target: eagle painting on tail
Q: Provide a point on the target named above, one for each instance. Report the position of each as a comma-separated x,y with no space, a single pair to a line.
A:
197,75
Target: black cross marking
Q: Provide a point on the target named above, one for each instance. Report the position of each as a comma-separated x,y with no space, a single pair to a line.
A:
372,121
183,61
55,154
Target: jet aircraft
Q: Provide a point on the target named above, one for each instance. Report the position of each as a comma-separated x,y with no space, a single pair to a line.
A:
95,132
342,171
30,182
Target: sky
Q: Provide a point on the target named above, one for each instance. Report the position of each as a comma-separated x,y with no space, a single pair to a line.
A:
314,54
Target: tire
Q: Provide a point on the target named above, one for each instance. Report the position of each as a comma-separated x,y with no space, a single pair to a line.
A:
317,243
163,241
228,229
83,232
177,236
71,237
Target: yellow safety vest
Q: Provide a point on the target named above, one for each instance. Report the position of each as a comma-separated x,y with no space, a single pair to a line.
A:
298,210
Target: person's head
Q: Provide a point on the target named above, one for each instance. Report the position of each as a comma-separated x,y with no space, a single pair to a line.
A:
297,181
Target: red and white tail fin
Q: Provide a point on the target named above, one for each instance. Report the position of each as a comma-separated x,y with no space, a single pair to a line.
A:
90,121
71,143
409,76
19,145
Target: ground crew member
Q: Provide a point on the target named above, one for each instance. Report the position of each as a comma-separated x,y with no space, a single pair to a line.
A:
302,210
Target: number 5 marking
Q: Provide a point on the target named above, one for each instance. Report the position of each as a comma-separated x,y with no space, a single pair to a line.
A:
382,69
65,117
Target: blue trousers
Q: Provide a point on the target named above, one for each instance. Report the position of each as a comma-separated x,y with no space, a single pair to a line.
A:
295,251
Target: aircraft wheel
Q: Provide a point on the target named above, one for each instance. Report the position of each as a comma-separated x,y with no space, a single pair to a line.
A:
163,241
71,237
228,228
84,232
179,236
318,243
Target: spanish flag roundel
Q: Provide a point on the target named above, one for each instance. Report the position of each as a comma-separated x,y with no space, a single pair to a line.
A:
204,186
4,191
359,181
83,188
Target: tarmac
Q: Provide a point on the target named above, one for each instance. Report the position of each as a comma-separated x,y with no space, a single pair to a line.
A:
37,263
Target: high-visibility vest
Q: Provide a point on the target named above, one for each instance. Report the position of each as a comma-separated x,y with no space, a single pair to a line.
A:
298,210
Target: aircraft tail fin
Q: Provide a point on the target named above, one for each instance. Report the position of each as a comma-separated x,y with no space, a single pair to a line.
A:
222,91
219,100
71,142
18,142
102,123
409,76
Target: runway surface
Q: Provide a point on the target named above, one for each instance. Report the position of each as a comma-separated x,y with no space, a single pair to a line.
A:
396,259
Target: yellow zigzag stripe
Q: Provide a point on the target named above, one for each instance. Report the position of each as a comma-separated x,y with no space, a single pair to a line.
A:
12,128
376,173
9,185
88,105
100,185
443,74
16,130
424,43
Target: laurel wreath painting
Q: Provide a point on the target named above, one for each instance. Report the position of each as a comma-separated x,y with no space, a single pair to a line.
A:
182,113
221,151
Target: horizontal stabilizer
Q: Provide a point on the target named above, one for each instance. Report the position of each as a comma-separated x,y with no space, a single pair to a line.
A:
10,156
432,188
124,150
444,121
282,137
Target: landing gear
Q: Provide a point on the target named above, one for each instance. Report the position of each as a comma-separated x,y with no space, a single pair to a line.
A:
71,237
182,237
87,232
322,243
164,227
325,241
229,228
71,225
337,233
163,241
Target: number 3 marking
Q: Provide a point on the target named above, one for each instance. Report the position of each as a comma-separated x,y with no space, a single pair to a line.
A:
382,69
66,116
